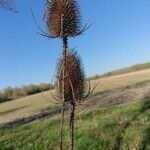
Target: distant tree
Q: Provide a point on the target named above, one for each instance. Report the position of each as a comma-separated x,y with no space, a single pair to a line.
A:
8,5
44,87
8,93
18,92
2,97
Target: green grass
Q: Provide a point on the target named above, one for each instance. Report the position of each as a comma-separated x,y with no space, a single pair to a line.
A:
119,127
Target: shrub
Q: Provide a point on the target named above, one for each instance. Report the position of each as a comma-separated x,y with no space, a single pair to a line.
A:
10,93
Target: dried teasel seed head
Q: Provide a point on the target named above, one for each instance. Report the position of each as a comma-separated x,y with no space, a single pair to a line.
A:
62,18
74,81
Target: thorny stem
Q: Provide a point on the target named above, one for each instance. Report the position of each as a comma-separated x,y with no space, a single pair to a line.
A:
62,127
65,47
72,114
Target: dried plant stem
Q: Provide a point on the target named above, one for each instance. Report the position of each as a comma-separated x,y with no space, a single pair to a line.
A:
63,21
72,115
62,127
65,47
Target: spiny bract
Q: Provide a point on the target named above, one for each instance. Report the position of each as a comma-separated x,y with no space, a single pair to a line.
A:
74,81
62,18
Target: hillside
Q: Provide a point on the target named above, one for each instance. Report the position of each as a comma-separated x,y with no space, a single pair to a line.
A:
12,93
133,68
34,104
116,117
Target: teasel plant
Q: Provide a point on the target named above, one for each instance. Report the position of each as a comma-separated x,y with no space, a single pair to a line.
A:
63,21
75,86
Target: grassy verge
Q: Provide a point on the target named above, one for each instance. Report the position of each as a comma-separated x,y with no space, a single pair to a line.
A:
118,127
128,69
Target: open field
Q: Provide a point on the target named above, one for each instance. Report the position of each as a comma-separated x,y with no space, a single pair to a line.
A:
32,105
133,68
116,117
118,81
118,127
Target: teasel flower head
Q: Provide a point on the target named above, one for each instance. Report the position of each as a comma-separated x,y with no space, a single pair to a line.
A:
63,18
74,81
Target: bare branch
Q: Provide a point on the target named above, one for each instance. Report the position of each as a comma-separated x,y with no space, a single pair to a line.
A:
42,93
53,96
42,32
90,91
8,5
85,28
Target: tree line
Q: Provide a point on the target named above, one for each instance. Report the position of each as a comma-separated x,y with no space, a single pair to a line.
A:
11,93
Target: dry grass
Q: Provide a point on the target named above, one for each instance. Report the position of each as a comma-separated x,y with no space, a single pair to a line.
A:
31,105
118,81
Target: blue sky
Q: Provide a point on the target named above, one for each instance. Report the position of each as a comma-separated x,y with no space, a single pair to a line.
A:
119,37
